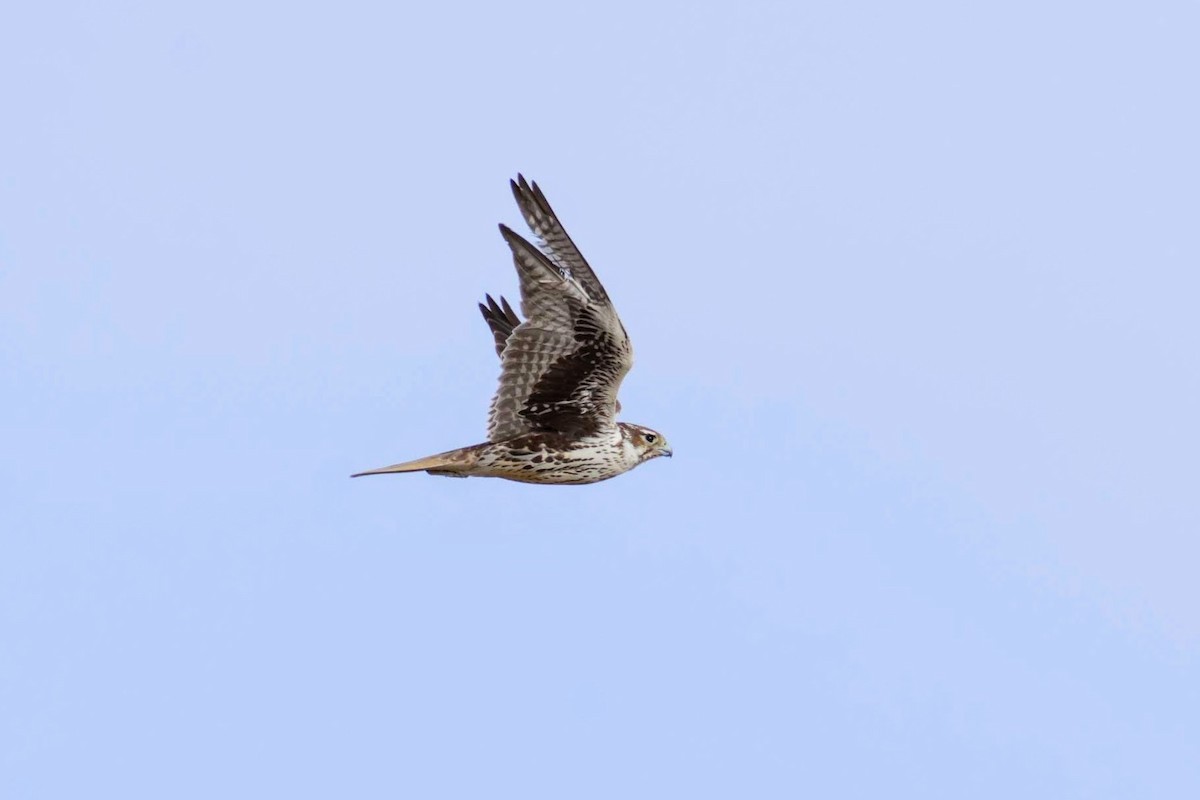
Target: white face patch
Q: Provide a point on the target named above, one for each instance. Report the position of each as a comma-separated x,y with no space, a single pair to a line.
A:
629,451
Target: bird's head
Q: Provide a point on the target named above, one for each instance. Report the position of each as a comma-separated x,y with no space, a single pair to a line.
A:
646,442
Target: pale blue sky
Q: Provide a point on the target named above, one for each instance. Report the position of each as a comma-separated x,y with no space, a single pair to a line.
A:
913,288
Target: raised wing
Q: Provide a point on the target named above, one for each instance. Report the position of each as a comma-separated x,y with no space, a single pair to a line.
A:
553,237
560,368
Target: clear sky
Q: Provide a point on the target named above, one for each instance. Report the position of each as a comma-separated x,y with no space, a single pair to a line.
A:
913,288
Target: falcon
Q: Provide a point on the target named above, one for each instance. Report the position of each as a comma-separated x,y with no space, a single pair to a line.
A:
553,418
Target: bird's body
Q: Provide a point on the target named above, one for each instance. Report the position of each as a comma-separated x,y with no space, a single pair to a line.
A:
553,418
539,458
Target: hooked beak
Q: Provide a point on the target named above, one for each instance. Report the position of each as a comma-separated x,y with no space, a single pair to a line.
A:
666,451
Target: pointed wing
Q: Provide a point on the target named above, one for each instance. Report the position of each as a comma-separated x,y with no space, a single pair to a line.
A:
560,368
553,237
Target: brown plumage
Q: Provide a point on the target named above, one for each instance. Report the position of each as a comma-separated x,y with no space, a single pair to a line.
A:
553,417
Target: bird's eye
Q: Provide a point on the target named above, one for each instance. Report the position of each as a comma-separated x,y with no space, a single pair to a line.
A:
651,438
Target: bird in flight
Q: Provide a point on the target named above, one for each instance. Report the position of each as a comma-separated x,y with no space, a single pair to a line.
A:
553,418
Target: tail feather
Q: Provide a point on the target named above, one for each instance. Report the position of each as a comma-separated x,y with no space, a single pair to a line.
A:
456,463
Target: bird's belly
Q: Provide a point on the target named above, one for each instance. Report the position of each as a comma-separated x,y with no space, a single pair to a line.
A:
577,465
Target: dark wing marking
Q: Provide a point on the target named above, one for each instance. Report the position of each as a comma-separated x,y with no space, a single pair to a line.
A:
560,368
501,319
577,394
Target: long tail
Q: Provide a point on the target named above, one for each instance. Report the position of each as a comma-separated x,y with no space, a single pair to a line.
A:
456,463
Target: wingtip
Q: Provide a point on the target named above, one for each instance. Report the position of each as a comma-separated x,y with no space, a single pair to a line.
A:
492,309
510,236
523,190
519,188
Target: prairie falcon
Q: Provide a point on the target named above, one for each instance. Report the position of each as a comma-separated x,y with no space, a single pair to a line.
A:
553,418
